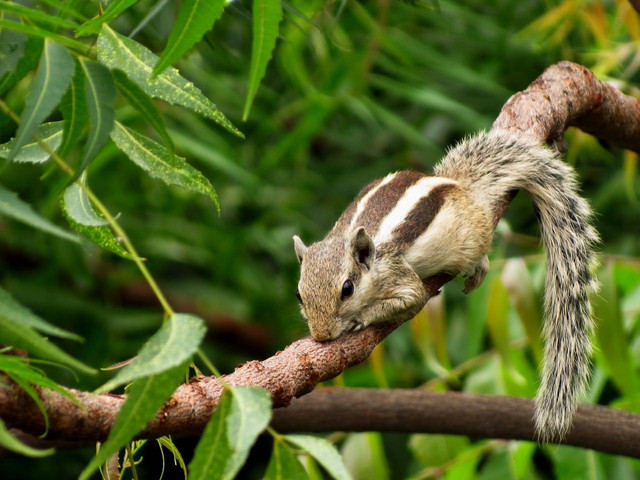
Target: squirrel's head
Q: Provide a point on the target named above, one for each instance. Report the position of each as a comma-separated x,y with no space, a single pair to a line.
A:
334,276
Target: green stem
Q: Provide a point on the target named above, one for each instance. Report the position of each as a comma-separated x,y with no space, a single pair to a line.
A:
212,368
107,215
132,462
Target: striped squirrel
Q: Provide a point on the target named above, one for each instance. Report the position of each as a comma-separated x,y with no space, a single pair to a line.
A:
409,226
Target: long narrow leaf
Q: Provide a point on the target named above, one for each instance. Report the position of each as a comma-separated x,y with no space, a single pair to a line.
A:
10,442
174,343
243,413
144,398
74,112
22,336
116,51
43,33
11,308
284,465
160,162
32,152
84,220
116,7
35,15
100,92
12,206
267,15
139,100
195,18
54,73
325,453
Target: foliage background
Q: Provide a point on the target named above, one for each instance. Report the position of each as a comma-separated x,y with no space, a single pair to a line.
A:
355,90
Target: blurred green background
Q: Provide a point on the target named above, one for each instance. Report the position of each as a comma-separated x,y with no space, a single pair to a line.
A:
355,90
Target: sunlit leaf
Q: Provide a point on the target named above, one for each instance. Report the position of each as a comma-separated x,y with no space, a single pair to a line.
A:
32,152
100,92
139,100
325,453
284,465
160,162
243,413
267,15
74,112
11,308
435,450
144,397
12,206
54,73
117,51
195,18
22,336
10,442
116,7
174,343
28,61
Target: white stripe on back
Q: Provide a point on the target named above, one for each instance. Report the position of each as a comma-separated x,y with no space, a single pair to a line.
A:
363,201
411,197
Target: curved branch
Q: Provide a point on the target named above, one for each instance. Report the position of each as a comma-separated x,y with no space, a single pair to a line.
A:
565,94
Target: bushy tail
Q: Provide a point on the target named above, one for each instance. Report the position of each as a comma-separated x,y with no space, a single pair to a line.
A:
495,163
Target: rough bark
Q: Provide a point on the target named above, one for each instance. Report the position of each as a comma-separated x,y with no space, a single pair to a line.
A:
565,94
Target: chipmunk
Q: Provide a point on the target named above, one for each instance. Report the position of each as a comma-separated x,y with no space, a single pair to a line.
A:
409,226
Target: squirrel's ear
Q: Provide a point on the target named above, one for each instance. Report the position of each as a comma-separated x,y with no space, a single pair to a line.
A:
299,247
362,247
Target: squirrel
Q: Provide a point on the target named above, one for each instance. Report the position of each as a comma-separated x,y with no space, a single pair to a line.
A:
409,226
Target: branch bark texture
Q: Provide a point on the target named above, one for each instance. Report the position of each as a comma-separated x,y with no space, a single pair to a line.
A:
565,94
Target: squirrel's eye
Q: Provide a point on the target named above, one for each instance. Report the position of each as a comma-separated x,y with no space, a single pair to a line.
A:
298,297
347,289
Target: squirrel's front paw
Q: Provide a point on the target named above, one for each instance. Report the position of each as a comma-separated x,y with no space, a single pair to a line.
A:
476,278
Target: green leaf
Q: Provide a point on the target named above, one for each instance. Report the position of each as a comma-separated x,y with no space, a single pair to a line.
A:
143,104
84,220
195,18
43,33
117,51
51,81
214,448
78,207
48,133
167,443
11,50
267,15
612,339
93,26
144,397
435,450
22,336
363,455
10,442
170,346
10,308
100,91
284,465
160,162
36,15
324,452
32,53
232,430
74,112
517,280
13,207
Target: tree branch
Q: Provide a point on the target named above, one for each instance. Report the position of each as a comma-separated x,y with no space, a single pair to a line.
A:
565,94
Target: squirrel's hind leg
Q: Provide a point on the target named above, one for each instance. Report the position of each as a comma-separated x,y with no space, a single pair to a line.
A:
474,280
